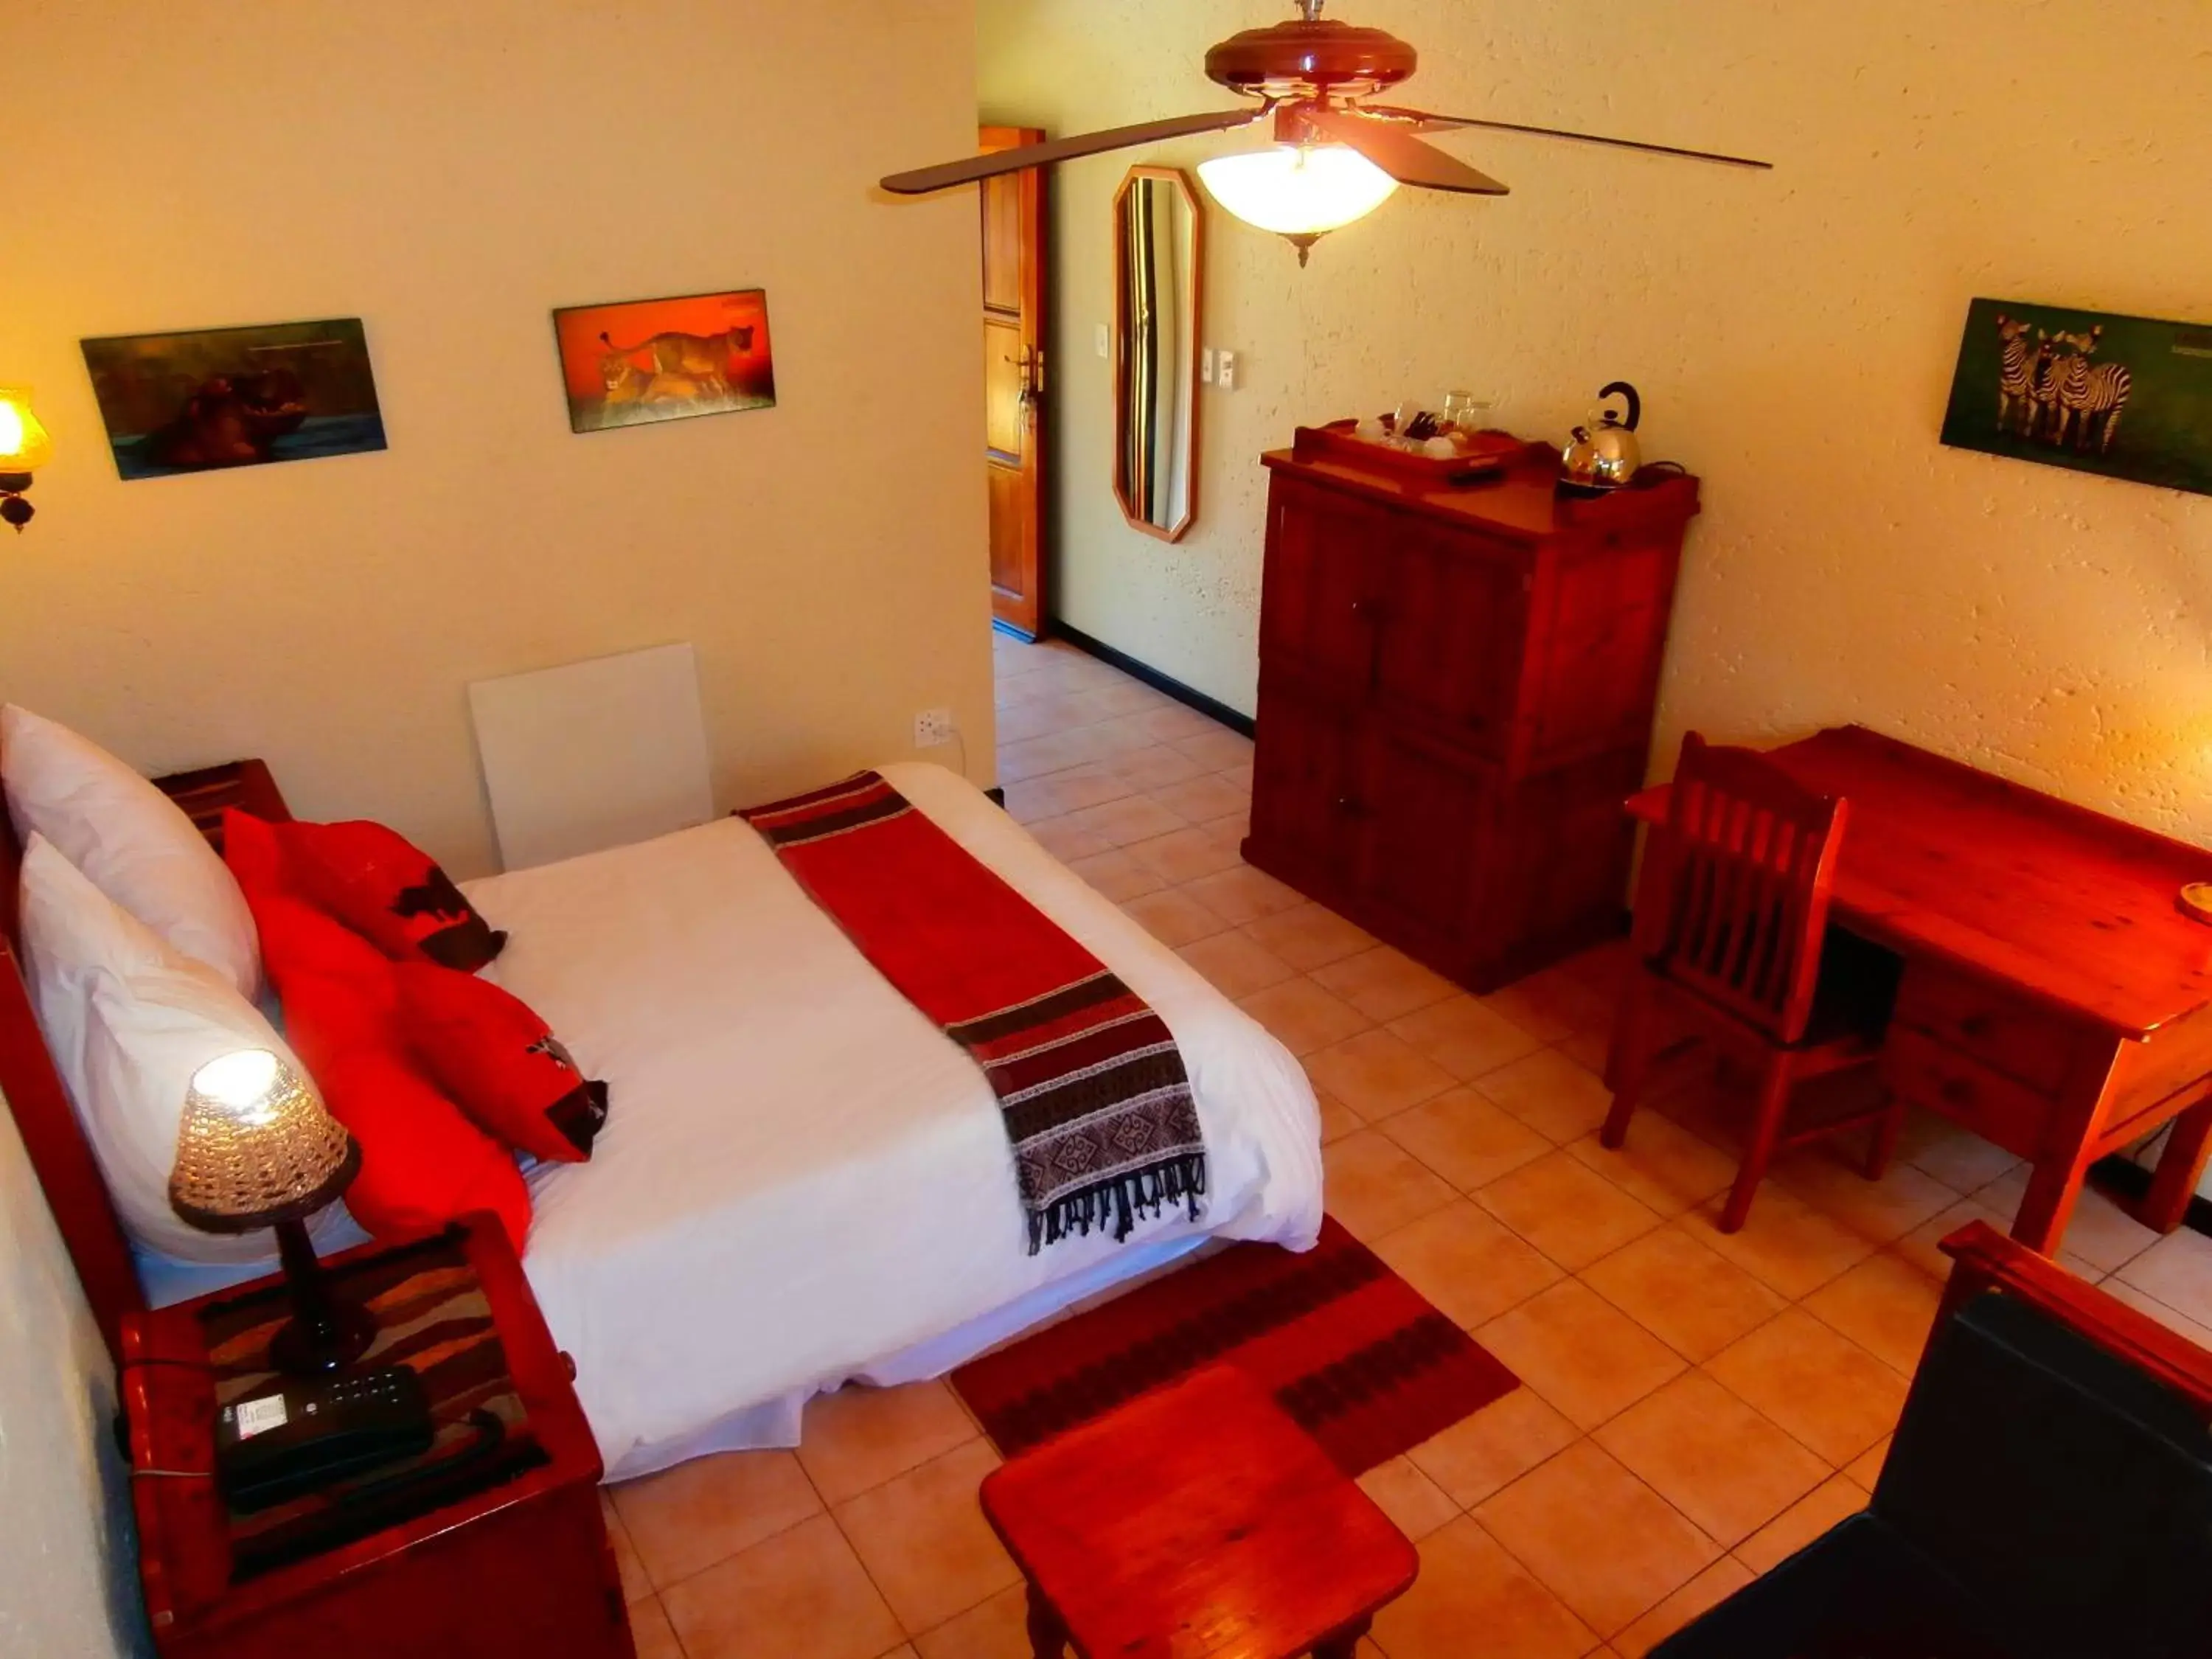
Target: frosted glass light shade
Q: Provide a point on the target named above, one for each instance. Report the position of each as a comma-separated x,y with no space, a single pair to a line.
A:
24,446
1301,192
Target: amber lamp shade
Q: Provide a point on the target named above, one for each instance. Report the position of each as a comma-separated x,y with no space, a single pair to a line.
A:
256,1149
24,448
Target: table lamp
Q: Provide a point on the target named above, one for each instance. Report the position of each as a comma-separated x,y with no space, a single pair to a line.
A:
256,1149
24,448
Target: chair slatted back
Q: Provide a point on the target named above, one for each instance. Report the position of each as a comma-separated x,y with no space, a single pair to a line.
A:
1734,900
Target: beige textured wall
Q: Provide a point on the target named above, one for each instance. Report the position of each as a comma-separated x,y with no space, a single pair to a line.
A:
68,1584
1793,334
450,173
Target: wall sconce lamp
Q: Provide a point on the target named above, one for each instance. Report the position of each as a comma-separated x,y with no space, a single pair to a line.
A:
24,448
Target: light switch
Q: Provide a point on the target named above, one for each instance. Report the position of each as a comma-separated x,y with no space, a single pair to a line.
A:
1104,342
1224,370
1206,364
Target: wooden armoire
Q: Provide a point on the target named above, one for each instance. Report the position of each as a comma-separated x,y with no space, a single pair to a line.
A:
1456,696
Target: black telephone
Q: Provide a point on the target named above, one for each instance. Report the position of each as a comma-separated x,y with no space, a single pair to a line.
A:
302,1435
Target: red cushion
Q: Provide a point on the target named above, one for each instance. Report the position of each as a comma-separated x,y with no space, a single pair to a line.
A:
499,1062
422,1163
375,880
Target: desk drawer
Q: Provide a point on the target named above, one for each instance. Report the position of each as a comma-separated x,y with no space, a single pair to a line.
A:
1976,1018
1971,1095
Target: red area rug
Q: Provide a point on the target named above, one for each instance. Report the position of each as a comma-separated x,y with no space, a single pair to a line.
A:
1356,1355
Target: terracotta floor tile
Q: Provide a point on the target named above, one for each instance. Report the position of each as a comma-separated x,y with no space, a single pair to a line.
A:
654,1636
2177,1271
1464,1037
1132,818
2101,1237
1661,1165
1202,798
1118,876
1553,1005
801,1594
1059,792
1692,1299
1125,695
1309,936
697,1513
1488,1451
1303,1017
1588,1049
1239,775
1233,964
998,1629
1183,855
1066,840
1056,751
1472,1268
1174,917
1374,1187
1241,894
1337,1119
1600,1539
1866,1467
1551,1094
1153,767
2172,1318
1958,1157
1384,984
1376,1074
1230,827
1828,1176
1824,1388
859,1437
1785,1244
1584,1356
1417,1506
1699,1596
1567,1209
925,1542
1216,750
1835,1500
1466,1139
1885,1304
1919,1246
1472,1597
636,1584
1711,1456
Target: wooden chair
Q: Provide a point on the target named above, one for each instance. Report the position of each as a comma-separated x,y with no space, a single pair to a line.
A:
1731,926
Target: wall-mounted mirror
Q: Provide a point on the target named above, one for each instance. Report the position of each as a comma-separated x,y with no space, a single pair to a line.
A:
1158,253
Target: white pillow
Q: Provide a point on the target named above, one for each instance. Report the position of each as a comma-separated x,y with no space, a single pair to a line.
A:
134,843
128,1020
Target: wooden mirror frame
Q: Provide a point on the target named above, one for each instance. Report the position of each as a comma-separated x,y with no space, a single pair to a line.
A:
1121,485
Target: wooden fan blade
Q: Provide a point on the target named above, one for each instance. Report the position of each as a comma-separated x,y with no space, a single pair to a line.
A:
967,171
1421,121
1401,155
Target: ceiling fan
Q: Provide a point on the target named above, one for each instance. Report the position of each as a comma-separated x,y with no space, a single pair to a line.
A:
1336,156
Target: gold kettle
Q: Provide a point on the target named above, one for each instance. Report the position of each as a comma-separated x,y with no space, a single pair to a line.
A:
1609,457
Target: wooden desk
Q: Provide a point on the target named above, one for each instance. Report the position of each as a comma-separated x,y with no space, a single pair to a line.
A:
2056,999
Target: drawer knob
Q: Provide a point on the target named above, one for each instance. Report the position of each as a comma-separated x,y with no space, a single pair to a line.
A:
1348,806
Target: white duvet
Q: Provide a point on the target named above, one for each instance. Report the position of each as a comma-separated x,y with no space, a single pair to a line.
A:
802,1181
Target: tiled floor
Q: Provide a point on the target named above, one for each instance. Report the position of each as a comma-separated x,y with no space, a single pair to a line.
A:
1696,1406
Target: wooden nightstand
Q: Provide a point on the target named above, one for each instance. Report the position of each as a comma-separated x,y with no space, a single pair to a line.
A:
505,1556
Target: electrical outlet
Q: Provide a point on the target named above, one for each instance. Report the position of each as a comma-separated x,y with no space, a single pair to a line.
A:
1103,341
1206,364
1224,370
933,728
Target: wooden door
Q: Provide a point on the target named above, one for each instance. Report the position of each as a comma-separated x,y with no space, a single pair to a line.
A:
1453,616
1014,380
1317,609
1426,817
1305,785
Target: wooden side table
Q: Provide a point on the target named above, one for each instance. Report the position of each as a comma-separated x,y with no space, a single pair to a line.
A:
499,1553
1198,1521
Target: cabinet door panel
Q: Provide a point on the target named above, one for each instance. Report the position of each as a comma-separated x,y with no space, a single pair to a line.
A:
1425,820
1305,780
1316,610
1452,620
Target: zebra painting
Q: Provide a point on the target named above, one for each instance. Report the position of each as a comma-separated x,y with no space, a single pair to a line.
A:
2017,372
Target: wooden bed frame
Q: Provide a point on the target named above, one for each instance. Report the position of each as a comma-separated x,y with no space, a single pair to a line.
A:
60,1155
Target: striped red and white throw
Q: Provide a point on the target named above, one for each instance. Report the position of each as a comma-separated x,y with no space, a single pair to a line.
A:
1095,1100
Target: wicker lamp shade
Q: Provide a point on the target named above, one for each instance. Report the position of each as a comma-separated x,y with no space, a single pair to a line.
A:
256,1146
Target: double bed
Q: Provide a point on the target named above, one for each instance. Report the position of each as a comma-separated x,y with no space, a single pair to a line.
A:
803,1182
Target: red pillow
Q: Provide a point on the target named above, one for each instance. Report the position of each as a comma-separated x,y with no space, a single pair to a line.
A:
376,881
422,1163
499,1062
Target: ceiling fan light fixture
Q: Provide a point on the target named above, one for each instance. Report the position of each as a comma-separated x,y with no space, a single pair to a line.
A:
1300,191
